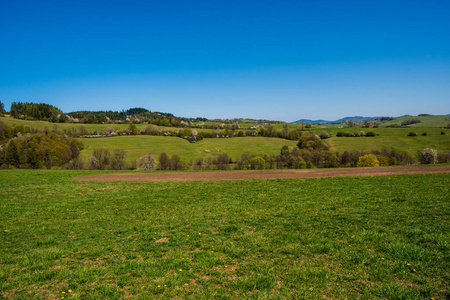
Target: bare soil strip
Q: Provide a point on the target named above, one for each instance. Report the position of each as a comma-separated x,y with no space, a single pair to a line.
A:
265,174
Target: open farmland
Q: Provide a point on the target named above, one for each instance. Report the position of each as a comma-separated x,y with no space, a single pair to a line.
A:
354,237
137,145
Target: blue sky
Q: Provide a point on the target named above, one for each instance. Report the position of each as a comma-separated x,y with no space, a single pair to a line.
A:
279,60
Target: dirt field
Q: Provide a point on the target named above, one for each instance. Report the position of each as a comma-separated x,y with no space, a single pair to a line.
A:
265,174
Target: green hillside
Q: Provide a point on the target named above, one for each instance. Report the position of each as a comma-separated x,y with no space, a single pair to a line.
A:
136,146
425,121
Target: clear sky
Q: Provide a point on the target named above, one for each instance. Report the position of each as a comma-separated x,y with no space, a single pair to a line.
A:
279,60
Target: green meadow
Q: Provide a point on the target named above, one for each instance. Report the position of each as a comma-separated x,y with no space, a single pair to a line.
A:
383,237
413,145
389,138
136,146
425,121
42,125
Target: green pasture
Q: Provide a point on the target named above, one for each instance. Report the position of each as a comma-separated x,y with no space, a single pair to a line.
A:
393,138
99,128
383,237
42,125
136,146
425,121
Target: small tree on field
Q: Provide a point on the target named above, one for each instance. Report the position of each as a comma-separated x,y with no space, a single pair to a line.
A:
133,129
93,163
177,163
368,160
257,162
164,162
324,135
428,156
103,158
118,160
147,162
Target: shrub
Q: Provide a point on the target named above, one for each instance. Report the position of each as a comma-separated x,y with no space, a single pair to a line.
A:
257,162
310,142
164,162
424,134
324,135
103,158
444,157
442,133
222,161
132,129
177,163
393,161
146,162
428,156
346,134
410,121
75,164
412,134
384,160
368,160
371,133
118,160
93,163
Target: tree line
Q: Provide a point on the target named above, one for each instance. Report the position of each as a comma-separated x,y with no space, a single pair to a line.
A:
36,111
30,149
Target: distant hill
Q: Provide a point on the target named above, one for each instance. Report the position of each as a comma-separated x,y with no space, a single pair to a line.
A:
343,120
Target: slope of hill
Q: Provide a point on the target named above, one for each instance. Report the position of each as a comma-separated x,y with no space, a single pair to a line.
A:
343,120
425,121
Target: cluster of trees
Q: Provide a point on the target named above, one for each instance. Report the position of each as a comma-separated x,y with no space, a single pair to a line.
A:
410,121
296,158
284,133
2,108
190,134
26,148
36,111
132,115
103,159
39,150
355,134
310,152
7,132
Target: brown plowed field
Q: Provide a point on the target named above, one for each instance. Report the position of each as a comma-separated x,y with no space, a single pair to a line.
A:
265,174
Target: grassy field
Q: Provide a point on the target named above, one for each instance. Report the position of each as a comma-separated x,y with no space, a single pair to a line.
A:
390,138
136,146
410,144
425,121
339,238
41,125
